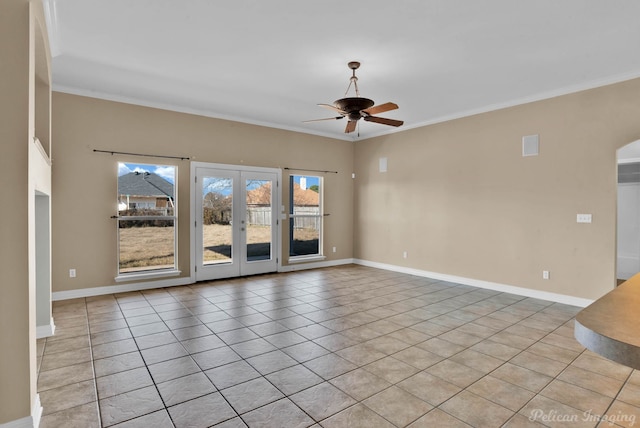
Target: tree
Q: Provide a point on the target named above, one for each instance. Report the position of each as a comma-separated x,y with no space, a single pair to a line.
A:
315,188
216,208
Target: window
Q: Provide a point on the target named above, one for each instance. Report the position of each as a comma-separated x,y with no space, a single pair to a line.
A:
305,213
147,218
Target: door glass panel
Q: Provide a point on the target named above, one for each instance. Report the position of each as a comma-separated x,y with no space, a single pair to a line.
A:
258,221
217,215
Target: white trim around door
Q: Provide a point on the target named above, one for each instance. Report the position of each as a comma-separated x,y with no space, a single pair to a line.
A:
251,230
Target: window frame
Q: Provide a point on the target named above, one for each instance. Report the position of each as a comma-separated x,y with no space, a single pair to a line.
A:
159,271
320,216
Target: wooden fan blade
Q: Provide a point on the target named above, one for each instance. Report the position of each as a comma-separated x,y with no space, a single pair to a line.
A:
380,108
333,108
351,126
319,120
383,120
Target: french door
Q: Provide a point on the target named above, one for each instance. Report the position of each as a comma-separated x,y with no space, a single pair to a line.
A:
236,220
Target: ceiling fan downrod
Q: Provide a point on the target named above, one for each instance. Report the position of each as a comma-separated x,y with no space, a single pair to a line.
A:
353,65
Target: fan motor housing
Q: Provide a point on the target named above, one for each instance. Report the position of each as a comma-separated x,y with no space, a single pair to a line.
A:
353,105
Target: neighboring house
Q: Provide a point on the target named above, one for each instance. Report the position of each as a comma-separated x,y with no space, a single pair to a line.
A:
144,190
260,196
305,197
259,205
301,197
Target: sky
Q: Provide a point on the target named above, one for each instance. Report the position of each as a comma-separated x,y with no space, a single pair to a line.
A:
224,186
168,173
165,171
311,180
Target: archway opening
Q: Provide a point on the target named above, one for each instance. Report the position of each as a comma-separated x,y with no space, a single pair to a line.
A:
628,218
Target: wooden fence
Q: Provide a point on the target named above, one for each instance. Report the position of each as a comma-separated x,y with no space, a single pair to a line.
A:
261,216
258,216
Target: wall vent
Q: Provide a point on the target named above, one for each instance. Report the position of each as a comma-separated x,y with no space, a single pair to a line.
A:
530,145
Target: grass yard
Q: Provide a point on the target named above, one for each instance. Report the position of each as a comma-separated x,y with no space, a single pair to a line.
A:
217,242
146,248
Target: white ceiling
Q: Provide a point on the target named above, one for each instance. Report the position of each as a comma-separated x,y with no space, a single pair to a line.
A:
270,62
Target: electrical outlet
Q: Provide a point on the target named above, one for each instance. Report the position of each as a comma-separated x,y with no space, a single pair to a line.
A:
334,249
545,274
405,255
72,273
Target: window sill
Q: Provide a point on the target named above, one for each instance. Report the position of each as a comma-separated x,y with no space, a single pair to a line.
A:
147,275
305,259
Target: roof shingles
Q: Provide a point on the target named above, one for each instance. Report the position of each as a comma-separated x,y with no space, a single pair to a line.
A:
144,184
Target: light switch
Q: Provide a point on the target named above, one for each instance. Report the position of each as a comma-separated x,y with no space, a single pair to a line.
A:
583,218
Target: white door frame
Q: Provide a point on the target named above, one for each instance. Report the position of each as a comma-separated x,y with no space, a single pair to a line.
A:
276,195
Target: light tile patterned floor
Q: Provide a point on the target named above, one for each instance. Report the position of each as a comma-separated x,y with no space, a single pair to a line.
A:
345,346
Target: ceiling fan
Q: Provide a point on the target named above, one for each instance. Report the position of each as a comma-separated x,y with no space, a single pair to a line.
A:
355,108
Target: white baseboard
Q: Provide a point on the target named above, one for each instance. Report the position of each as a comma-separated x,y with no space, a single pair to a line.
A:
520,291
36,412
315,265
43,331
32,421
111,289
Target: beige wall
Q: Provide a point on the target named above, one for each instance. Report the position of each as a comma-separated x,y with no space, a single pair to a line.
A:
458,196
22,44
14,134
85,183
461,200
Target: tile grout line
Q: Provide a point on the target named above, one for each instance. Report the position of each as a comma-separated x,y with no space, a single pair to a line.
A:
238,414
93,368
413,345
299,296
133,337
155,384
602,417
548,383
309,340
505,362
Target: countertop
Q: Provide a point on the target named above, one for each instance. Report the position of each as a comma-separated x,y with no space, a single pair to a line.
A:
610,326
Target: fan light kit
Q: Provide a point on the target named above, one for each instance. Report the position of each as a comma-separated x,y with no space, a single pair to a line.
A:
355,108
